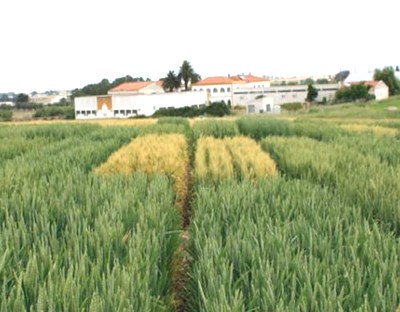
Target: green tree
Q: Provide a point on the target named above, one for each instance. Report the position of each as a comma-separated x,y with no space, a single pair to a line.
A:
171,82
312,93
22,98
389,78
355,92
322,81
187,74
104,86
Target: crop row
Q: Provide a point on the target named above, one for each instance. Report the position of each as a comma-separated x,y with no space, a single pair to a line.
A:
361,180
73,240
288,245
238,157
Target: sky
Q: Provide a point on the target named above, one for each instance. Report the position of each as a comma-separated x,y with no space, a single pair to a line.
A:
67,44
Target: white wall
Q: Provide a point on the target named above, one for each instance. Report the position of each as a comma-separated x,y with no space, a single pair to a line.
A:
85,106
381,91
284,94
217,92
263,105
124,106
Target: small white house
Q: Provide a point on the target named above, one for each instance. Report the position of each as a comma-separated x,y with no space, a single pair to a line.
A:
379,89
263,105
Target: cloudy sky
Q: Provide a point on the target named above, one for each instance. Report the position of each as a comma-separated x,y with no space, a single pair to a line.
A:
56,45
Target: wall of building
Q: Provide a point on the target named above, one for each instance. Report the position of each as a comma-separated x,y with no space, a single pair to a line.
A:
263,105
284,94
217,93
381,92
124,106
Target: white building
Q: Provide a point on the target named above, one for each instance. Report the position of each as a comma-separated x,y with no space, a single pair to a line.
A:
379,89
135,98
263,105
223,88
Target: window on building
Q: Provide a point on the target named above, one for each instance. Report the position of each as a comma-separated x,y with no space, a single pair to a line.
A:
222,90
88,112
228,90
215,90
201,89
94,112
115,113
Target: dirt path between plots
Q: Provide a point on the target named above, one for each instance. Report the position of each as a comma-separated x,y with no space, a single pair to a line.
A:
181,262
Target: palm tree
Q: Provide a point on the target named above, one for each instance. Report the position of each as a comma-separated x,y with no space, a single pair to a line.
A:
171,82
187,74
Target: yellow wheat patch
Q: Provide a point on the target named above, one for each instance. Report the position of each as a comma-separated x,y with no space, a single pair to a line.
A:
152,154
221,159
213,160
125,122
249,159
365,128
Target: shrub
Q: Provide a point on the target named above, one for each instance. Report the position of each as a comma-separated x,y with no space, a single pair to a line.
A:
353,93
66,112
217,109
6,115
291,107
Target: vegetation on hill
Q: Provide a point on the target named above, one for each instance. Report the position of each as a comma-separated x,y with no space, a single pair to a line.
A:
104,86
387,75
6,115
356,92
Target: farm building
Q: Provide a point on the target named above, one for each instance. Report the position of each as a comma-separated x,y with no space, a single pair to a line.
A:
245,89
133,99
222,88
263,105
378,88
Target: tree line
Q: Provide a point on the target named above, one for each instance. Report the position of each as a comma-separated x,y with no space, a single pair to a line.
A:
104,86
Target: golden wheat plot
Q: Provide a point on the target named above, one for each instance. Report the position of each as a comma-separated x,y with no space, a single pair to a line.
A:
221,159
152,154
375,129
213,160
249,159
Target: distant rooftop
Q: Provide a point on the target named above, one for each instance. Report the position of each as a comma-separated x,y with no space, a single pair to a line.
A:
131,86
220,80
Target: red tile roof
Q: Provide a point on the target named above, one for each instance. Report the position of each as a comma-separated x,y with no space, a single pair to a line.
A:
220,80
251,78
160,83
371,84
131,86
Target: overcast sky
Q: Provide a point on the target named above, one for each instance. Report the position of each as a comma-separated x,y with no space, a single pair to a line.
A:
57,45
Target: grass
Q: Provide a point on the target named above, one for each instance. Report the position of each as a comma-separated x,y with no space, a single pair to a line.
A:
371,110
